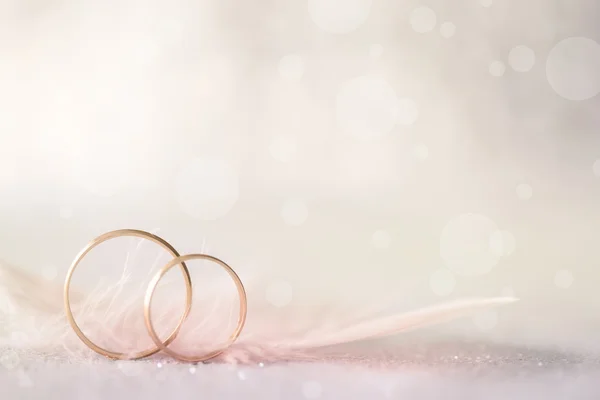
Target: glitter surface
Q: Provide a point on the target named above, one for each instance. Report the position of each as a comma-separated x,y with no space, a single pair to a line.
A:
459,370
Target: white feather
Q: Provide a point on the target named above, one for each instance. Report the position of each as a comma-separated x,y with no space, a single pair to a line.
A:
32,317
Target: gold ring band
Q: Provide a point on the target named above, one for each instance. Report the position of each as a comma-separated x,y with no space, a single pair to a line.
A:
148,302
144,235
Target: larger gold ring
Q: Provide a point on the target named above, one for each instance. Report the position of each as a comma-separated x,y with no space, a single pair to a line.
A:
150,294
111,235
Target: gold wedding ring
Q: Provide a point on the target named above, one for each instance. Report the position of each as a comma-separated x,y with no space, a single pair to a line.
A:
103,238
159,344
148,311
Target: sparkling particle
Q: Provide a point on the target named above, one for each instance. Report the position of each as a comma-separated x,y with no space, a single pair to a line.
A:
279,294
563,279
312,390
573,68
421,152
524,191
9,359
159,365
381,239
497,68
366,107
485,3
261,364
596,168
65,213
465,245
423,19
207,188
241,375
521,58
486,321
283,148
291,67
502,243
339,16
192,370
294,212
408,111
442,282
447,29
376,51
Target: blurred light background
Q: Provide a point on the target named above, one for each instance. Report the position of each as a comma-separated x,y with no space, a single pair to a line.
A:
386,153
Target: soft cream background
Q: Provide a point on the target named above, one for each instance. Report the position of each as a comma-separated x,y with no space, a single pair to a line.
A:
326,147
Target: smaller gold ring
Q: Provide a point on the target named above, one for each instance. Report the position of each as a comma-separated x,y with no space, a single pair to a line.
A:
100,239
150,294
